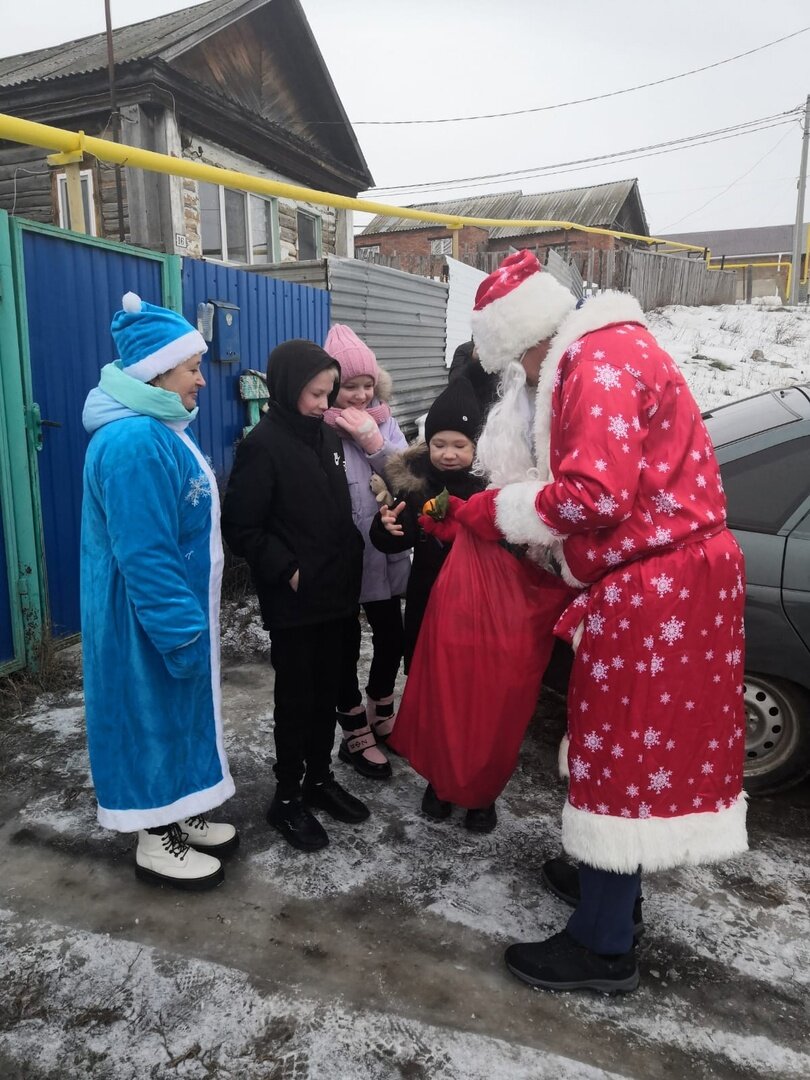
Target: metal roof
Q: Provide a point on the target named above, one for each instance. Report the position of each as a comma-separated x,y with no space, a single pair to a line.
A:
163,37
598,205
768,240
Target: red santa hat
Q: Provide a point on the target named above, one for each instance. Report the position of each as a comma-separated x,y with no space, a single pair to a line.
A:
517,306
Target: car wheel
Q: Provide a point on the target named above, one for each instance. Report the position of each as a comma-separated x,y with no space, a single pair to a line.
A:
777,741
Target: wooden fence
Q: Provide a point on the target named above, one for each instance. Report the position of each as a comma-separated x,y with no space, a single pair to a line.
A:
653,278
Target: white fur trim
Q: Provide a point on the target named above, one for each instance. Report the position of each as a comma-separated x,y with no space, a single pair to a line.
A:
577,638
600,311
625,844
562,758
530,313
565,570
516,516
168,357
200,802
131,302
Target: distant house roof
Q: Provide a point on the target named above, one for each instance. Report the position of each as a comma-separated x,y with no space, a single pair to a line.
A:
614,205
290,89
735,243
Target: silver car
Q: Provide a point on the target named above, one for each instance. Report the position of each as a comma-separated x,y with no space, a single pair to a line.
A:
763,447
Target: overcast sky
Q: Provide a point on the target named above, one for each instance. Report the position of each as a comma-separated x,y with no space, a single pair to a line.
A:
425,59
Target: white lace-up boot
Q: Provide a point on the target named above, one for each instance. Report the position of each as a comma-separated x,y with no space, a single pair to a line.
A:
212,837
165,858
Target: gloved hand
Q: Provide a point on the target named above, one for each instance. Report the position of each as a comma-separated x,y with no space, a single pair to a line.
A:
189,660
444,530
362,428
478,515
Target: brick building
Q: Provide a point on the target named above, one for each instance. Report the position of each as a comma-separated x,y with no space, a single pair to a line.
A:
413,246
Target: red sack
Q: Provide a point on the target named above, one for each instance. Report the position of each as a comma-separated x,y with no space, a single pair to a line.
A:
475,677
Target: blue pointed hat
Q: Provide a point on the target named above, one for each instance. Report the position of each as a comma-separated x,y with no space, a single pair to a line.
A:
152,340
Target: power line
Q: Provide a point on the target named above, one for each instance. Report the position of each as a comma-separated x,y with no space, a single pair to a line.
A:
577,101
651,150
729,187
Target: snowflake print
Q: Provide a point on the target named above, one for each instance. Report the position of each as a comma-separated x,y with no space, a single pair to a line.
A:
596,624
627,544
672,630
713,744
666,503
651,737
624,624
199,488
665,425
660,537
612,557
662,584
600,671
602,808
718,620
591,554
644,810
683,594
649,642
584,706
625,701
606,505
596,411
707,768
592,741
618,427
689,705
670,744
607,773
606,376
656,664
632,791
700,480
600,465
612,594
617,662
625,811
580,770
617,751
572,511
697,801
665,698
641,667
598,354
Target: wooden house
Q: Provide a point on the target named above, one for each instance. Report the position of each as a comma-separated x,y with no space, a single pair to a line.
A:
239,84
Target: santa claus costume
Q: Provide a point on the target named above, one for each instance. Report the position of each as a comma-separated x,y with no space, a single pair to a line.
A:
625,492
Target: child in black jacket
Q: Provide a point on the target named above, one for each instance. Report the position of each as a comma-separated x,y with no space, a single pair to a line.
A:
287,511
443,461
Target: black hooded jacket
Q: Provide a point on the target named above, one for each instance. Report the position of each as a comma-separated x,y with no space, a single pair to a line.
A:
413,480
287,504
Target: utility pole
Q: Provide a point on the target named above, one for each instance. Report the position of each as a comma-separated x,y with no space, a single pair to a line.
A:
116,119
798,228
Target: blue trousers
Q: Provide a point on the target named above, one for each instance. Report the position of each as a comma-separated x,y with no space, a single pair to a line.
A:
603,920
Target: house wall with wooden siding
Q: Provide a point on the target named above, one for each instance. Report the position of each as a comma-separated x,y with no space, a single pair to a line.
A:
411,248
198,149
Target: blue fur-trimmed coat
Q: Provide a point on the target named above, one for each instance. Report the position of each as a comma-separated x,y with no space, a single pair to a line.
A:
151,569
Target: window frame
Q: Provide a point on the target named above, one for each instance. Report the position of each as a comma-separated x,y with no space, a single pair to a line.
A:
275,232
446,243
86,175
318,220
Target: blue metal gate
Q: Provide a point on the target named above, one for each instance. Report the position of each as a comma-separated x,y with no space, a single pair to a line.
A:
270,311
72,286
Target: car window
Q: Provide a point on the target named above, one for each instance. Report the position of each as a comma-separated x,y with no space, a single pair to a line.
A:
751,416
765,488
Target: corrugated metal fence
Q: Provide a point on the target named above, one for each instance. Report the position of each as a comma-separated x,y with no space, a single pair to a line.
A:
270,311
401,316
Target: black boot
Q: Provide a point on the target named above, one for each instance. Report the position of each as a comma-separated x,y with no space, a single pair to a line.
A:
483,819
296,824
334,800
561,878
561,963
435,807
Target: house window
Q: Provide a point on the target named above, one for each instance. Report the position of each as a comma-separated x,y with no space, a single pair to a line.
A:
237,227
88,201
367,251
309,236
442,246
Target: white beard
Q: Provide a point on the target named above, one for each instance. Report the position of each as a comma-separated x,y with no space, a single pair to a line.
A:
505,451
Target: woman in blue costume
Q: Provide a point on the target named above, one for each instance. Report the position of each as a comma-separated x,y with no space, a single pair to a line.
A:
151,569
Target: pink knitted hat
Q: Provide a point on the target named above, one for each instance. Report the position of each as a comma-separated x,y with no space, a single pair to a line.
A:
353,355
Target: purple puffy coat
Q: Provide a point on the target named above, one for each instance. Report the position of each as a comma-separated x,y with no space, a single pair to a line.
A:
384,576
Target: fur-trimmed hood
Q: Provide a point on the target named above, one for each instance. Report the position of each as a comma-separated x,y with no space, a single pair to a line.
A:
411,475
384,386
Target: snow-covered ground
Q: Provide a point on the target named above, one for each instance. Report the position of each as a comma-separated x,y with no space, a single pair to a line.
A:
731,352
380,957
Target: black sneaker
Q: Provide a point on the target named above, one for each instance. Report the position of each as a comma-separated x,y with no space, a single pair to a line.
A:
434,807
561,878
483,819
335,801
297,825
560,963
